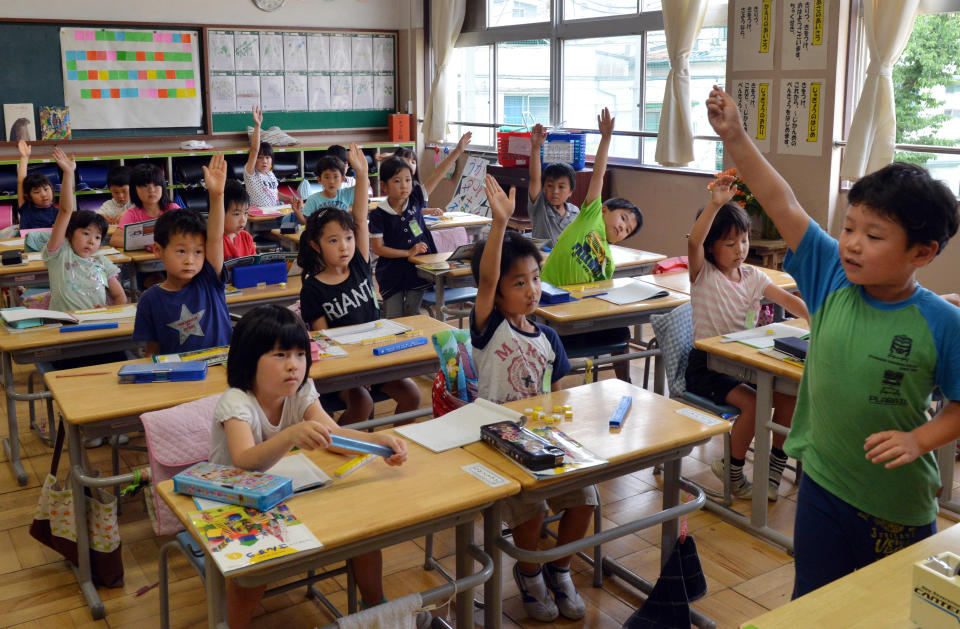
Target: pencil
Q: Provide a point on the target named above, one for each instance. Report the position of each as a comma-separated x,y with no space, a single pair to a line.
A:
89,373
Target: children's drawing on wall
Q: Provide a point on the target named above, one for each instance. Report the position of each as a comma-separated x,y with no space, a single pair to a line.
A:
246,51
340,53
295,92
362,53
54,123
383,97
383,54
221,51
341,92
248,91
318,53
223,93
363,91
271,92
319,88
271,52
294,52
18,118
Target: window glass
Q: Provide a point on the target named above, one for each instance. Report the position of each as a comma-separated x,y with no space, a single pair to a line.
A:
508,12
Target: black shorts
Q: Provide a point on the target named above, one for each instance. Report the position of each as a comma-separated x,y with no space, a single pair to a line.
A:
704,382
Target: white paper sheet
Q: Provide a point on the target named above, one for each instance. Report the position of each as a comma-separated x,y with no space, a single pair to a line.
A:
363,331
383,95
223,93
361,53
764,335
294,52
340,53
246,52
633,292
126,311
271,52
363,91
302,471
383,54
318,52
341,92
248,91
458,427
294,92
271,92
220,45
318,88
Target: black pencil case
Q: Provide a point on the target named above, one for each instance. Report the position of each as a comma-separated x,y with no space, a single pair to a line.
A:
525,447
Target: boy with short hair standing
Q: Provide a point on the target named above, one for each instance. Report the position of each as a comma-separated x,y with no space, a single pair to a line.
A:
548,208
879,344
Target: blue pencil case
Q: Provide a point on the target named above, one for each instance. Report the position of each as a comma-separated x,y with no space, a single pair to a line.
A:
550,294
253,274
163,372
225,483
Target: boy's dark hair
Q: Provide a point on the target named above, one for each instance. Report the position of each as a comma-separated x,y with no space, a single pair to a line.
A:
234,192
145,174
516,246
309,259
907,194
265,149
182,221
407,153
729,216
558,170
256,334
617,203
338,151
391,166
119,176
330,162
84,218
35,180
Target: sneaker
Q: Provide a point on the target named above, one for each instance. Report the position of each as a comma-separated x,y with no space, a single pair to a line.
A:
564,592
94,442
773,491
742,490
536,602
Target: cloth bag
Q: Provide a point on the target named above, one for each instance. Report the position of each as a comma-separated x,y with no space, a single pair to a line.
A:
681,582
54,524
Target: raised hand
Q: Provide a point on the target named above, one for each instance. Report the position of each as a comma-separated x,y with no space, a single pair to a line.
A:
605,123
501,204
215,175
722,114
464,141
356,158
538,135
723,189
257,115
64,161
23,148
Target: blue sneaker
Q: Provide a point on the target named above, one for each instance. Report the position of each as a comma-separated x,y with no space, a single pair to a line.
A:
536,601
565,593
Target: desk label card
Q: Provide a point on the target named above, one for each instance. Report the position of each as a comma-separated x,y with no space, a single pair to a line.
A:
484,474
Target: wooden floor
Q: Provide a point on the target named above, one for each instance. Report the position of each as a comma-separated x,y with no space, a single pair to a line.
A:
745,575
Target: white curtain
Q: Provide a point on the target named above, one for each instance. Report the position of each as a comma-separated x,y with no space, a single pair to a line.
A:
888,24
446,20
682,20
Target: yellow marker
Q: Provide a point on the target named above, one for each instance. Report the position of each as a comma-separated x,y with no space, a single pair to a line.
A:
771,332
352,465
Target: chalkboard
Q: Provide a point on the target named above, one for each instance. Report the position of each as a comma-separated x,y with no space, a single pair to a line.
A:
33,73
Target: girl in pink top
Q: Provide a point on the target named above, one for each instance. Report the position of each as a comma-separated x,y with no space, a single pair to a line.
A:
726,296
150,198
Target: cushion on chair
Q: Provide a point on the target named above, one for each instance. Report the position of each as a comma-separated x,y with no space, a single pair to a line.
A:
674,332
449,239
705,403
177,438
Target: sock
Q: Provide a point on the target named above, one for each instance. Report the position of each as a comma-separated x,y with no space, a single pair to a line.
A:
529,576
778,460
736,471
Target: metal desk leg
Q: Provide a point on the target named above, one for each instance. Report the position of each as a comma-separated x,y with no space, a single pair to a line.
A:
216,587
671,497
82,570
659,375
761,449
439,286
12,443
492,589
464,535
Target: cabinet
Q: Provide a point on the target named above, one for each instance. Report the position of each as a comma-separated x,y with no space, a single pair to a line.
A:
520,178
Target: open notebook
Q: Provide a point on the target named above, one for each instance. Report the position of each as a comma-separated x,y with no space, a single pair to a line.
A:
460,427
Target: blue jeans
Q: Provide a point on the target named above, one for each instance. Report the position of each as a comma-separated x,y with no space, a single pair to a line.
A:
832,538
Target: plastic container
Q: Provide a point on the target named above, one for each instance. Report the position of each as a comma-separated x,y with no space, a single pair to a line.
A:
513,148
570,148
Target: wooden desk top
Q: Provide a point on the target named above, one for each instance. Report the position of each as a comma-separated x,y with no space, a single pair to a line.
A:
294,237
291,288
449,222
90,398
140,255
679,281
651,426
875,596
377,499
268,217
593,308
51,337
39,266
751,356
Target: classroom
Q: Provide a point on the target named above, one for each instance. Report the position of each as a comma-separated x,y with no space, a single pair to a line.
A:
370,190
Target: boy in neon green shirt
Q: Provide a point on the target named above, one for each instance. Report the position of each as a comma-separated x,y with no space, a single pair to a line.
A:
582,253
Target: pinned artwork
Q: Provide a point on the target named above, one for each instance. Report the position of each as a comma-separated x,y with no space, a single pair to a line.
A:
54,123
18,119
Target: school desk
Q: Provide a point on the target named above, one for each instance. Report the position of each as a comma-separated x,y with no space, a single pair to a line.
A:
375,507
44,345
472,223
94,404
877,595
653,433
35,274
257,224
768,374
280,294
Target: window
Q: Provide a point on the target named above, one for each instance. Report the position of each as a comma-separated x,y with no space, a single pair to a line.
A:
559,62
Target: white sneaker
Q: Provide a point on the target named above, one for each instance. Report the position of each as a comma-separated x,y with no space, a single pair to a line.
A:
564,592
536,602
742,490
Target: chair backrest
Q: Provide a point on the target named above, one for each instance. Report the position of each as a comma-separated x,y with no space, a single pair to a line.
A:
449,239
6,216
674,333
177,438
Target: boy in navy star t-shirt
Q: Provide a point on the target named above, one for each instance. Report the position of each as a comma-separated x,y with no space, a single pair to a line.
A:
188,310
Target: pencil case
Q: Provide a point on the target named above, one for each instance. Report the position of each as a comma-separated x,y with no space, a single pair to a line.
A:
253,274
792,345
550,294
225,483
163,372
527,448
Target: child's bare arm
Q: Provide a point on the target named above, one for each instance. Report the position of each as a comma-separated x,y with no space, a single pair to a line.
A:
116,291
790,302
537,137
152,348
501,207
953,298
390,252
24,149
896,447
215,176
69,166
360,199
771,190
248,455
721,192
605,124
431,183
251,164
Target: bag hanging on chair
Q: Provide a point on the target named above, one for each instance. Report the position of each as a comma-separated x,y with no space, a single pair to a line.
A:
54,524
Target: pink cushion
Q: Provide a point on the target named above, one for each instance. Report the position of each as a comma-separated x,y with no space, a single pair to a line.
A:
6,216
449,239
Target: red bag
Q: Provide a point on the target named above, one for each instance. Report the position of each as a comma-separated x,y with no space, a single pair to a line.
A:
443,400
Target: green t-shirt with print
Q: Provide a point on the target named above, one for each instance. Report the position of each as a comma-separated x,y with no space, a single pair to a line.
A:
582,253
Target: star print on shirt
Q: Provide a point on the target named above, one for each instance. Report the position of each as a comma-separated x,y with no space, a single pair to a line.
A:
188,324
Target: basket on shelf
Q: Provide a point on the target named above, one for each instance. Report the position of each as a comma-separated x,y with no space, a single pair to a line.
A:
568,147
513,147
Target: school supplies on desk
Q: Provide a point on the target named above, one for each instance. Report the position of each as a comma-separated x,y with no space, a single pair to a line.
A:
304,473
633,292
399,346
796,347
360,332
620,413
277,210
550,294
364,447
764,336
166,372
20,318
211,356
576,456
322,347
353,465
138,235
458,427
527,448
237,537
117,313
233,485
83,327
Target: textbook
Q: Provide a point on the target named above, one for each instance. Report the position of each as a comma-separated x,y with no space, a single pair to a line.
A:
237,537
632,293
226,483
322,347
20,318
138,235
443,267
211,356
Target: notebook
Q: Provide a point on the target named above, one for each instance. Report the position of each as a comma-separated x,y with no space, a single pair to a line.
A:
459,427
633,292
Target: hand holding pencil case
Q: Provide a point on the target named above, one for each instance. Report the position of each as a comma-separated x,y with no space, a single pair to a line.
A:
527,448
225,483
163,372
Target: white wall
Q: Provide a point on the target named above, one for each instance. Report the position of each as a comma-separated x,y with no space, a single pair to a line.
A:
372,14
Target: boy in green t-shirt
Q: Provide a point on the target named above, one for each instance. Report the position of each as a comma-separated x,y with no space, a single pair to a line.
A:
582,253
879,344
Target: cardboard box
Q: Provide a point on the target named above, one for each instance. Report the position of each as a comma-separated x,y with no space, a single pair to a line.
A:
935,602
399,127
